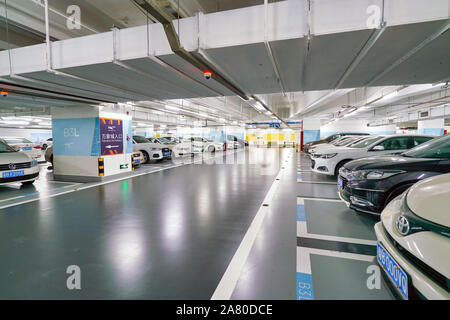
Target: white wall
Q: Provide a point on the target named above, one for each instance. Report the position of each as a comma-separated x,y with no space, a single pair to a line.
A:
355,126
433,126
34,135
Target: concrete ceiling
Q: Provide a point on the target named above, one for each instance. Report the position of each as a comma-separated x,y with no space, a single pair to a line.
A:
249,65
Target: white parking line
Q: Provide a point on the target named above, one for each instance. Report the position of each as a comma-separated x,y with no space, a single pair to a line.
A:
303,232
316,182
231,276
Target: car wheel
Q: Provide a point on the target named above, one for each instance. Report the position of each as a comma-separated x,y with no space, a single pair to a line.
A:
211,149
338,166
146,157
44,147
396,192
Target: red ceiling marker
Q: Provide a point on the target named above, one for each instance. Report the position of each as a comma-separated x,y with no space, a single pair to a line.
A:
207,74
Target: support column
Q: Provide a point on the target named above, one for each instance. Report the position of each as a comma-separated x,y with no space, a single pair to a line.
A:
90,144
311,130
433,127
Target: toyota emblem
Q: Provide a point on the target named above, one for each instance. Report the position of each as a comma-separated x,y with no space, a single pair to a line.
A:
403,225
12,166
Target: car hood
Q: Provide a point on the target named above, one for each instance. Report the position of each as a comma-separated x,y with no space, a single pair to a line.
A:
430,199
390,162
13,157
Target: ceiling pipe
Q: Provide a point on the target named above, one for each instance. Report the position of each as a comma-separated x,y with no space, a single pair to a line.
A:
152,8
72,96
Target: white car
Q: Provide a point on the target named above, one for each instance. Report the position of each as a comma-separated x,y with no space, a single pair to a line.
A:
150,150
17,166
414,240
46,143
24,145
138,158
340,142
329,162
200,144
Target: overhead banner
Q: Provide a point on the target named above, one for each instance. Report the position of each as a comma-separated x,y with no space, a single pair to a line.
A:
111,136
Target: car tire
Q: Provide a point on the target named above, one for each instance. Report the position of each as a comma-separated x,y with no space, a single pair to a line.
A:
44,147
211,149
146,157
396,192
338,166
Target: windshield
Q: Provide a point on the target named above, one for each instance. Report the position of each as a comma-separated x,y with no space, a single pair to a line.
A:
438,148
365,143
4,148
164,140
140,139
17,140
343,141
171,139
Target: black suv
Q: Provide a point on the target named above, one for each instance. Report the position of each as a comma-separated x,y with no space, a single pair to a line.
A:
369,184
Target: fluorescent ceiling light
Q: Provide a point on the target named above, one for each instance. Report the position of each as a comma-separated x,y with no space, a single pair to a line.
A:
390,95
172,108
201,114
259,106
16,122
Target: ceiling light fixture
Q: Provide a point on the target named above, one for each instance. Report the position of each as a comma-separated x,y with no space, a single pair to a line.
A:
172,108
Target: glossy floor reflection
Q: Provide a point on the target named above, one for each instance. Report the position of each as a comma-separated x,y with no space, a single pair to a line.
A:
166,235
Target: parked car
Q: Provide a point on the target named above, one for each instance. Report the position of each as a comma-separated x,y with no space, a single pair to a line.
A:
24,145
46,143
150,150
138,158
331,138
48,155
17,166
330,162
232,142
414,240
340,142
200,144
369,184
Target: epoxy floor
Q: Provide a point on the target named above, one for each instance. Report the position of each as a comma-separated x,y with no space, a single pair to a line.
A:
171,230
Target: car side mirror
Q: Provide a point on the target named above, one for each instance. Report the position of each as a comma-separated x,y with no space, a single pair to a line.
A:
378,148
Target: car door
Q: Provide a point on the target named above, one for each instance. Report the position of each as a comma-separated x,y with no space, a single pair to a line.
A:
394,145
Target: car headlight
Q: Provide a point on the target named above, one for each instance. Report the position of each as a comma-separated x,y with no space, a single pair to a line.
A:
373,174
328,155
34,163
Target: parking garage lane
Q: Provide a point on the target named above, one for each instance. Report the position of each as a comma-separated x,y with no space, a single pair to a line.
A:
166,235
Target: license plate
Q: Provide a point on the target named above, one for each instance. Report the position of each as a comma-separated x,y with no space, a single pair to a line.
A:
13,174
340,183
26,148
137,161
392,269
166,154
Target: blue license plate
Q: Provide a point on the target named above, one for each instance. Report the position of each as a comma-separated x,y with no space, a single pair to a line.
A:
340,183
392,269
13,174
137,161
166,154
26,148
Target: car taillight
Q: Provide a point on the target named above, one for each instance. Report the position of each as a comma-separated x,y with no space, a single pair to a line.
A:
37,147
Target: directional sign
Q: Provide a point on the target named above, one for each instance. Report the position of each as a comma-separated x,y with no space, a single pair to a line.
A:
111,136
